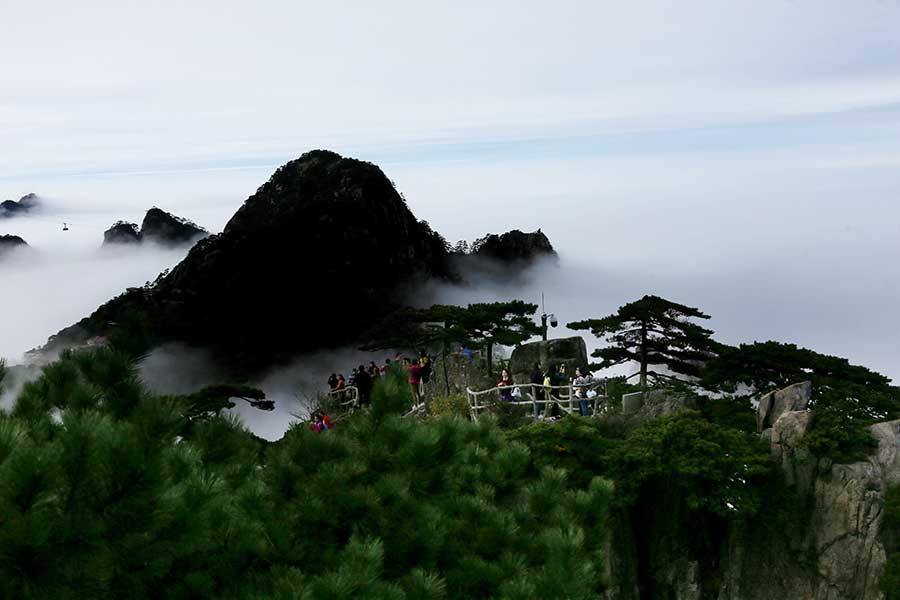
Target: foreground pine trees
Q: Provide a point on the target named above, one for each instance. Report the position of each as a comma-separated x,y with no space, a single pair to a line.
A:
107,491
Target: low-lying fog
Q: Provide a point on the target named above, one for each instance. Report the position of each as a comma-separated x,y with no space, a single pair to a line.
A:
805,254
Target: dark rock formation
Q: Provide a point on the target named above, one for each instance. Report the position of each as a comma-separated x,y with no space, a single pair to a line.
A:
312,259
11,208
502,258
122,232
159,227
515,246
571,350
165,228
8,243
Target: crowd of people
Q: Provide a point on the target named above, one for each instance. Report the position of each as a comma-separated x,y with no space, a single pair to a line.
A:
363,378
548,385
545,380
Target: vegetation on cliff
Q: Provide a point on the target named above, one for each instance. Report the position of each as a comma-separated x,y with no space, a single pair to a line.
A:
107,490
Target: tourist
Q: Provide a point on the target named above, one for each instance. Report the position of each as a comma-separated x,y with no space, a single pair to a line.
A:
386,366
425,363
537,390
332,382
506,386
339,388
363,385
317,423
414,378
582,383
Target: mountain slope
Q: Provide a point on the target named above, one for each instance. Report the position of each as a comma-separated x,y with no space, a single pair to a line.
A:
319,252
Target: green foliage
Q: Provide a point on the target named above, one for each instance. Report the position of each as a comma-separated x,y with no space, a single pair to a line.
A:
890,533
579,445
718,470
454,405
729,411
616,387
890,519
890,579
108,491
840,433
847,398
509,415
652,331
484,324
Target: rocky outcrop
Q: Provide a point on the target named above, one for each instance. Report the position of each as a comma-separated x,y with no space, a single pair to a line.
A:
321,251
571,350
10,243
819,537
515,246
773,405
26,204
122,232
834,550
165,228
656,403
158,227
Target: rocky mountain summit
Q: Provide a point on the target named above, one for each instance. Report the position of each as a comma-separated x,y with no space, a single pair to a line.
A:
26,204
8,243
319,252
122,232
159,227
515,246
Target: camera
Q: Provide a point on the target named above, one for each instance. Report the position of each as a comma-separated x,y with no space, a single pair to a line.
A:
553,321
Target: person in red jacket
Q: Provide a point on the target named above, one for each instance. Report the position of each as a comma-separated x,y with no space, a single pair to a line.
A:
414,372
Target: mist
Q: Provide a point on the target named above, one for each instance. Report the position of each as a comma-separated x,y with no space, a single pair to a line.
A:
63,276
294,387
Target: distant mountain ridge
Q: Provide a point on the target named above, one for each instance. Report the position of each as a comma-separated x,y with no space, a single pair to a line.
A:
11,208
158,226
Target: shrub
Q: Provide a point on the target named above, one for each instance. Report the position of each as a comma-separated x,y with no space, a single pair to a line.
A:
453,405
717,469
890,530
107,490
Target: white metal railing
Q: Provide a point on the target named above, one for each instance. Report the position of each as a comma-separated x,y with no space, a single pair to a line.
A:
347,397
563,396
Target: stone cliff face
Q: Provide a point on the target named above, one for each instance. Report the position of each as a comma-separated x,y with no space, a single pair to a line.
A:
825,544
320,252
838,553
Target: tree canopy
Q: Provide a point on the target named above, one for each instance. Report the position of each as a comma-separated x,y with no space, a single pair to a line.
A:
846,397
105,492
652,331
482,325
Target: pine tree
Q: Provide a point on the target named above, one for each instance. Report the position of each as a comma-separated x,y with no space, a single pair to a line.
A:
504,323
107,490
652,331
